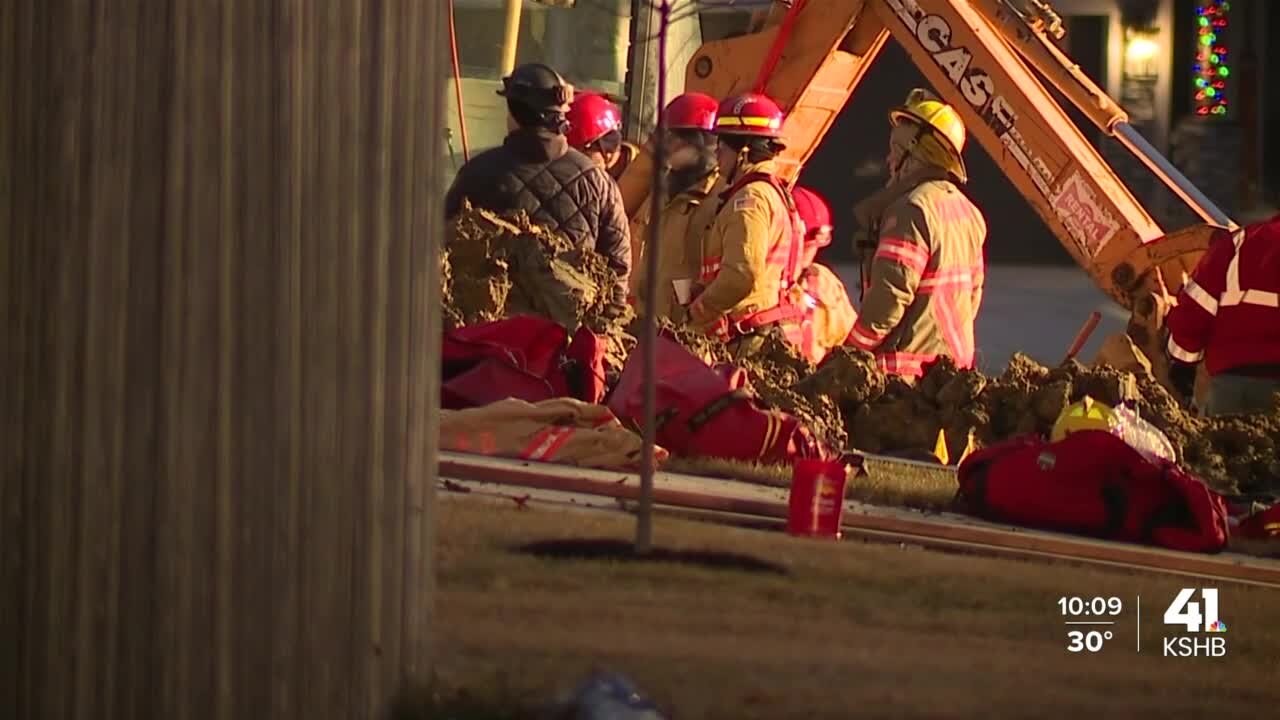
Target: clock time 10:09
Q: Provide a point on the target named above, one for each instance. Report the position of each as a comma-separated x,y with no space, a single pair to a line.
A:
1077,606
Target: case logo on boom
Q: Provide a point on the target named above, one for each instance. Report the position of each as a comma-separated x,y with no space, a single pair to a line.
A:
1074,204
979,90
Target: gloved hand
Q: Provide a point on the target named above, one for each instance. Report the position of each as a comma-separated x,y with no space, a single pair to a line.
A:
1183,378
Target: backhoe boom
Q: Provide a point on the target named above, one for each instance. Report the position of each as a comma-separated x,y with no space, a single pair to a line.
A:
975,53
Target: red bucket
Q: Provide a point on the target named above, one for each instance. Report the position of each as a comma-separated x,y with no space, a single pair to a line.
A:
817,498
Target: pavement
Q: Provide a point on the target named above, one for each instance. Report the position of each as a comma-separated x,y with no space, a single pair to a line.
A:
1033,309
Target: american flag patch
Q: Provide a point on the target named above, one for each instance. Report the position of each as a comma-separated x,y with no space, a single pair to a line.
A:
746,203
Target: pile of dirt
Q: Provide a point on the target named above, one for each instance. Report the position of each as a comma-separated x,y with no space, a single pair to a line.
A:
495,266
776,373
711,350
500,265
1232,454
851,404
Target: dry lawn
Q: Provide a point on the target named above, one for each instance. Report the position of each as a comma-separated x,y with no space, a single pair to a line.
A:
835,630
885,482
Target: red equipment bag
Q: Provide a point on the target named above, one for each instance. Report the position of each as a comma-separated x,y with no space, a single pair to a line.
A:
1262,525
709,412
523,357
1093,483
583,368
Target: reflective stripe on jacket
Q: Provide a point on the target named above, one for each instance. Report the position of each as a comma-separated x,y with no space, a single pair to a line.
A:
1228,312
926,281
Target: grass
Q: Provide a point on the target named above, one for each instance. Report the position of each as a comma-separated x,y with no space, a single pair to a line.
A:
799,628
892,484
885,482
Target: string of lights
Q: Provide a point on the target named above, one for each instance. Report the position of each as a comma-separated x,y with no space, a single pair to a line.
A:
1212,67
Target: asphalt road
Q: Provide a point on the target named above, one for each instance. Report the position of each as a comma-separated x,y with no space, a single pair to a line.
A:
1036,310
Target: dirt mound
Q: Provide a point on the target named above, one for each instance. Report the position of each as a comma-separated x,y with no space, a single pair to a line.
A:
776,373
1232,454
711,350
887,415
501,265
494,266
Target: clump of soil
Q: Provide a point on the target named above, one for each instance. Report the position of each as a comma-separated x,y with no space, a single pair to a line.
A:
708,348
776,372
1231,454
494,266
500,265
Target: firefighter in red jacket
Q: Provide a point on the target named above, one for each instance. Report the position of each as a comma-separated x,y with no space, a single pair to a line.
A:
1228,315
751,253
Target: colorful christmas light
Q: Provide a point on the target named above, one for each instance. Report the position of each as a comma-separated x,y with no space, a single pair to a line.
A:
1211,68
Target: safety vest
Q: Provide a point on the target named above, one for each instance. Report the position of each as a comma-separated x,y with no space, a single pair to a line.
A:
783,258
1233,294
1228,323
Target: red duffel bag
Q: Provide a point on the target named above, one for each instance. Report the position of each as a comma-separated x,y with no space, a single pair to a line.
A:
1093,483
522,357
709,412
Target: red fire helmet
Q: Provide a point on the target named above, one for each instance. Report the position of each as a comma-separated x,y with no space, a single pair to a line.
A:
591,117
692,111
749,114
816,215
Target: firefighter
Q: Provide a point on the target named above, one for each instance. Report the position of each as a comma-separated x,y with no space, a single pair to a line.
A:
751,253
595,129
535,170
922,281
828,313
690,154
1228,315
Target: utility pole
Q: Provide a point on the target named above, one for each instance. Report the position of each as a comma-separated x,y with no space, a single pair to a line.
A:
643,66
220,355
649,343
510,37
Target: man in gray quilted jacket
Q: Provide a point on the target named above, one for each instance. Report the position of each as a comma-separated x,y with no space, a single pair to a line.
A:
535,170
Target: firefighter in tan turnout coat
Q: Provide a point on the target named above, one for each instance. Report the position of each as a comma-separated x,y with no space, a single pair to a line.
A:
923,248
690,145
752,251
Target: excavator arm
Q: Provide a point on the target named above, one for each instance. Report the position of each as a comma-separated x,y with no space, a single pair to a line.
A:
979,56
982,57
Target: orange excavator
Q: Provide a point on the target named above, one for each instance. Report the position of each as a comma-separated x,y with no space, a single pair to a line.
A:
991,60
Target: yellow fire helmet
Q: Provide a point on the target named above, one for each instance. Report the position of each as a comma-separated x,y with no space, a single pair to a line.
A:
925,109
1088,414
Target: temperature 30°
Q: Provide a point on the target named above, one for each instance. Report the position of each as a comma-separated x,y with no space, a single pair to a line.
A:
1092,640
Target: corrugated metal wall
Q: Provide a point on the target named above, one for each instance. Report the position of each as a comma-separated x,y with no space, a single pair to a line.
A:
220,347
